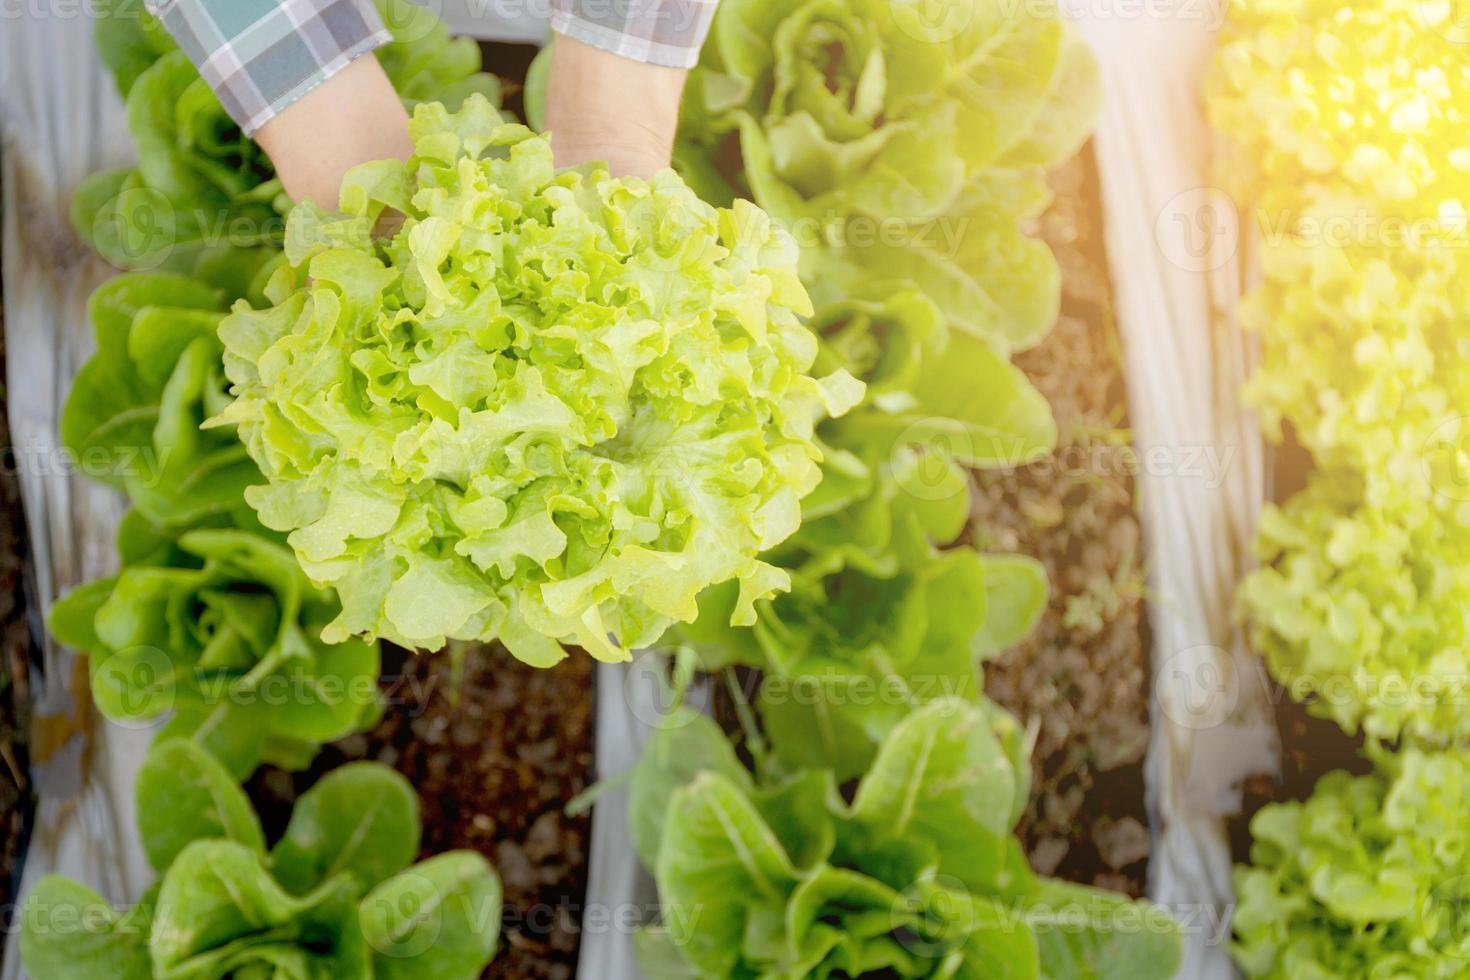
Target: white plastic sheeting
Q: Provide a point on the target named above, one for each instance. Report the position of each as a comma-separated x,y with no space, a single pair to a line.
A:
60,120
1178,266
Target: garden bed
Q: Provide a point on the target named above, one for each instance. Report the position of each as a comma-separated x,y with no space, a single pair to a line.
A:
494,755
1082,676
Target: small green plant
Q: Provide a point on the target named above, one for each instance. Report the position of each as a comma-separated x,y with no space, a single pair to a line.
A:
916,874
335,897
220,628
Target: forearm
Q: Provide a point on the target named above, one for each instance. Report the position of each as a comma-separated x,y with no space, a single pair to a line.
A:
352,117
602,106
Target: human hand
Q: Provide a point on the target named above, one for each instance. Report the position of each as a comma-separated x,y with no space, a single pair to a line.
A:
351,118
602,106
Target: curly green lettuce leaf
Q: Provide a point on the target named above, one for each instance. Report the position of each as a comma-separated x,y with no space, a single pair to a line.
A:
552,409
1359,609
1367,877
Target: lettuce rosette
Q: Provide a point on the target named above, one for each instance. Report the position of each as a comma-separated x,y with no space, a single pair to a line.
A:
915,873
132,415
898,148
201,188
335,897
1367,878
882,595
219,630
553,408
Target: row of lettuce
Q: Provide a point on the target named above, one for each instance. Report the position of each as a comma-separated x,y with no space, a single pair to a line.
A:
1346,146
557,409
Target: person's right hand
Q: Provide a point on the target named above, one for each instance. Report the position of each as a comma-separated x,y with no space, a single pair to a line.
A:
602,106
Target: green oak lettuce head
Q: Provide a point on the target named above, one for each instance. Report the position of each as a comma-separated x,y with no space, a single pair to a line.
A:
873,107
552,409
1367,878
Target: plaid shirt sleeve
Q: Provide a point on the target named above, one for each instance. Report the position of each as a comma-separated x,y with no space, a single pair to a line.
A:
660,32
260,56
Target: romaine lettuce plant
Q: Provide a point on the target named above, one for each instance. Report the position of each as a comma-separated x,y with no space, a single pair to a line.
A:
133,413
553,408
201,188
1368,878
915,875
875,604
334,898
900,149
221,628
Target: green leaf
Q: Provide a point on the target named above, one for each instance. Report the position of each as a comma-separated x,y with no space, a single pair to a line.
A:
1016,592
68,931
440,918
361,819
220,912
185,795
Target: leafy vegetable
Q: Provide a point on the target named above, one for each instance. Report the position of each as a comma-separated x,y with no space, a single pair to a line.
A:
1362,608
554,408
1367,878
132,415
201,188
917,876
222,628
879,619
1344,143
335,898
897,148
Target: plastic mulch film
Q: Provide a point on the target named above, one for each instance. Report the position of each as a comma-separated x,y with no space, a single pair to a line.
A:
1178,267
60,120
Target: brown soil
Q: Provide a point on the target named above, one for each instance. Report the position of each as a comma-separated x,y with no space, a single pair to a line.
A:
16,644
495,756
1082,677
1310,747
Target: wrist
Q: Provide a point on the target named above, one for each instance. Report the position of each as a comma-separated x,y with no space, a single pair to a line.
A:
602,106
351,118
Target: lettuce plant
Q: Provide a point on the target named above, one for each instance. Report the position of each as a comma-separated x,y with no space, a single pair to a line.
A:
916,874
553,408
1336,108
875,604
201,188
900,149
1344,128
1367,878
1361,609
335,897
220,627
132,415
